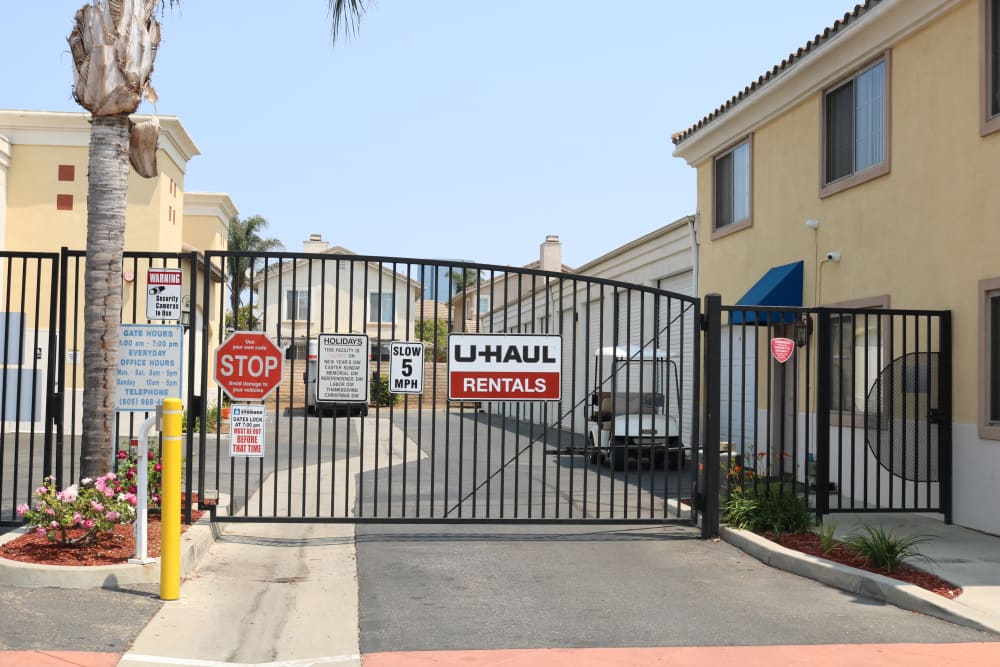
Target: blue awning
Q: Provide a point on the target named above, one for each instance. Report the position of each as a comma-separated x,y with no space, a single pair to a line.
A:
780,286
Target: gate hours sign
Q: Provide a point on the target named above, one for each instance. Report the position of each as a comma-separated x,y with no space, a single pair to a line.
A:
149,366
406,368
489,367
342,368
246,430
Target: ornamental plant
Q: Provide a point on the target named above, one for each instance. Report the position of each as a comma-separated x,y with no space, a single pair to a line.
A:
127,469
95,506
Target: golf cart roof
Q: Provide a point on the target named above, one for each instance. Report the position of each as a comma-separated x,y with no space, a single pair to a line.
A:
632,353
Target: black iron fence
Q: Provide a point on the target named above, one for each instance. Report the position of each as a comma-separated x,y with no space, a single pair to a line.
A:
848,407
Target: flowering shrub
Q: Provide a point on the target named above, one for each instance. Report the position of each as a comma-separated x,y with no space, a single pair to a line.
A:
94,507
128,472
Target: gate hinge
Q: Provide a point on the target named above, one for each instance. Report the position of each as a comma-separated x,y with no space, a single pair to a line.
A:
703,322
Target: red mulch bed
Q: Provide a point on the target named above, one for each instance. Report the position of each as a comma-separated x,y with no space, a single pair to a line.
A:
809,543
112,548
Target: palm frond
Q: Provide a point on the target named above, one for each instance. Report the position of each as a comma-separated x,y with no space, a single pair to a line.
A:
345,14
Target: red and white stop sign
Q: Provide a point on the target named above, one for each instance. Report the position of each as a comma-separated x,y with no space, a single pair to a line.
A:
248,366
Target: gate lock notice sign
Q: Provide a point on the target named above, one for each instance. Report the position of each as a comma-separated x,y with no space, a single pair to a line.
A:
246,430
487,367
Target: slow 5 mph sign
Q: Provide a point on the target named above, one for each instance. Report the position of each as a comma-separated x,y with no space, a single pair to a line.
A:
248,366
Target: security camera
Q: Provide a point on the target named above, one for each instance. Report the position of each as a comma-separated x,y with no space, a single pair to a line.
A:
833,256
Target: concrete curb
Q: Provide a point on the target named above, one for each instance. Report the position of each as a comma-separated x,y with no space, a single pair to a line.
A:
195,543
859,582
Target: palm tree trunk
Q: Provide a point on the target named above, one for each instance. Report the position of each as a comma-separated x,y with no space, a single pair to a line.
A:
107,195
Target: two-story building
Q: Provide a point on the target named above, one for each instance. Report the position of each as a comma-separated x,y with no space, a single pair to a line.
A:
863,167
43,208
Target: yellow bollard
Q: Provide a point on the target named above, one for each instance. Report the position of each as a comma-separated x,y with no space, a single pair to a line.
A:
170,501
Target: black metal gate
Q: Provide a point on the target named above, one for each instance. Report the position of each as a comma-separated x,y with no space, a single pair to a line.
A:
627,352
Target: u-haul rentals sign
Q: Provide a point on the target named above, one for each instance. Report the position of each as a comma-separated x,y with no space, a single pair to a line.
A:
493,367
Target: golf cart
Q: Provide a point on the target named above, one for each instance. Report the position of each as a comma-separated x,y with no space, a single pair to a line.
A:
635,408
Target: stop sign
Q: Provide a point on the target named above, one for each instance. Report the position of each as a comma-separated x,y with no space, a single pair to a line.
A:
248,366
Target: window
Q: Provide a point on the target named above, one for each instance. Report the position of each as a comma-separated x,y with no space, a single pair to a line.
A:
855,136
297,304
380,307
989,359
856,359
732,188
484,304
990,66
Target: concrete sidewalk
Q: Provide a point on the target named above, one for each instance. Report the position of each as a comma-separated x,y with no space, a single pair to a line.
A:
263,593
962,556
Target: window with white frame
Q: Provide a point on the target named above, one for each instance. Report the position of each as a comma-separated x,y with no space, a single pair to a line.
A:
732,187
380,306
297,304
855,137
484,304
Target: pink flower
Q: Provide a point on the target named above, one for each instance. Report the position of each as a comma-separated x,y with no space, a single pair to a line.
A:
89,523
100,484
149,455
53,524
157,467
109,476
77,518
111,516
108,493
122,455
131,473
66,496
40,531
132,488
50,511
130,498
22,509
41,491
98,507
156,497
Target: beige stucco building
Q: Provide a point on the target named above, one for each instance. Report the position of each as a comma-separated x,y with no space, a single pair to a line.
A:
881,133
43,208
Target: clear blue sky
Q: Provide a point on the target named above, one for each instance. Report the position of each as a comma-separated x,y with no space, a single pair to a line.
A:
449,129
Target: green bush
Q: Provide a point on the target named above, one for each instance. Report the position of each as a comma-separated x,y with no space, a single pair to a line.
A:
885,550
767,507
380,392
826,532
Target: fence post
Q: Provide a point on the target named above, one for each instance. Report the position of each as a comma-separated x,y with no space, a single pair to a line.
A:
944,411
713,378
823,400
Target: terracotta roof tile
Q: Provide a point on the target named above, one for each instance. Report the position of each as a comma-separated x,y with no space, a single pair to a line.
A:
802,52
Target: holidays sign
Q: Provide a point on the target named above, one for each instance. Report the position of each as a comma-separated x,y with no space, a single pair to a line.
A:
342,368
163,300
246,430
492,367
